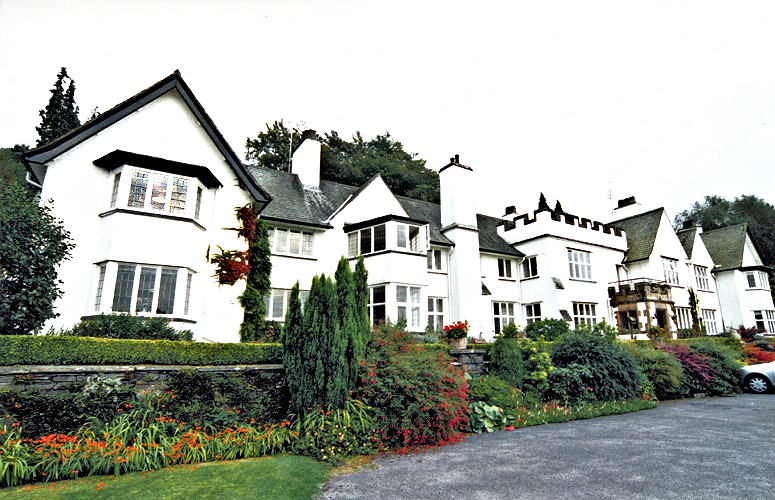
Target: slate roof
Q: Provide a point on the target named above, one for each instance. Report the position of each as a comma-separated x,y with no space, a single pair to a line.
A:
686,237
641,233
726,246
293,204
60,145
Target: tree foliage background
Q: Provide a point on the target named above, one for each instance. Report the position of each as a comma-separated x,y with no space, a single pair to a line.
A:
61,113
32,244
715,212
350,162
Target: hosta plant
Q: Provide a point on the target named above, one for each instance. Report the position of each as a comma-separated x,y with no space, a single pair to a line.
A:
487,418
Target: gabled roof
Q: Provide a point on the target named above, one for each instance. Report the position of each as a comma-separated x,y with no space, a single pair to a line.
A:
687,237
293,204
726,246
641,234
62,144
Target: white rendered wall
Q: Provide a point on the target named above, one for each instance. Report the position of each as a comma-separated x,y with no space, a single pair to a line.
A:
167,129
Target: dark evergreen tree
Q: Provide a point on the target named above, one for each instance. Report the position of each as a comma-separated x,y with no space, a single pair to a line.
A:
258,285
61,113
542,204
558,207
350,326
361,280
293,340
350,162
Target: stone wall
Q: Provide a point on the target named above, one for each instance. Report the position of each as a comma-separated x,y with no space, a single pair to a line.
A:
475,362
51,379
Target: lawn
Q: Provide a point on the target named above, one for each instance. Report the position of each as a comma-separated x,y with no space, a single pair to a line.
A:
282,477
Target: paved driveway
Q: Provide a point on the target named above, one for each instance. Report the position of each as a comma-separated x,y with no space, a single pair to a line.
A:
700,449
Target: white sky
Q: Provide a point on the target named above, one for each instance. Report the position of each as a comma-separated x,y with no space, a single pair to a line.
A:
666,101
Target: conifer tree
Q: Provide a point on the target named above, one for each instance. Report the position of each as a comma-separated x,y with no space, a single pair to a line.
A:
350,326
61,113
361,280
293,348
258,284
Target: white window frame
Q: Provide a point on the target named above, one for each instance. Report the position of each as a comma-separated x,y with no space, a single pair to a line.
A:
532,313
435,260
179,289
436,313
121,192
684,315
278,299
504,268
584,313
530,267
701,277
503,313
761,280
378,301
409,237
580,264
670,270
765,320
709,320
290,241
408,302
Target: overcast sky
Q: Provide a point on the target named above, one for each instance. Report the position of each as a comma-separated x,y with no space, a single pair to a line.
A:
666,101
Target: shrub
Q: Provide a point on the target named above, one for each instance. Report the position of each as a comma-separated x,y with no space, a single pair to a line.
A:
54,350
494,391
601,329
202,399
127,326
418,397
537,368
697,371
487,418
723,362
748,334
568,385
548,329
506,361
510,331
614,373
755,355
64,412
663,370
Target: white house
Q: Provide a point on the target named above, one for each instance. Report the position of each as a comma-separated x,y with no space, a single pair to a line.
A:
743,281
145,190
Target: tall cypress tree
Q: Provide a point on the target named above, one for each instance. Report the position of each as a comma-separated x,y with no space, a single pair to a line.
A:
258,285
349,326
61,113
293,349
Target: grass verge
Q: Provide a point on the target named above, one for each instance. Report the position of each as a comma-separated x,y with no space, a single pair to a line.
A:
284,477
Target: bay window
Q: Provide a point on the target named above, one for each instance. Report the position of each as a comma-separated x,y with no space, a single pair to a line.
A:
143,289
408,305
758,279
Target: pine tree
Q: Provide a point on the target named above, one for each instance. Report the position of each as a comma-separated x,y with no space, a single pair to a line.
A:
361,280
542,204
61,113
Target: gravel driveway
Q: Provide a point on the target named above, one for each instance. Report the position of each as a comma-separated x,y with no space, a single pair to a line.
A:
704,448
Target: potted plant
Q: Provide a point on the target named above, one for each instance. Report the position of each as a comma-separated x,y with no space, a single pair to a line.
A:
457,334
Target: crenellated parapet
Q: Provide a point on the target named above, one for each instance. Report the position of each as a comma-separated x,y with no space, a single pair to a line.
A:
546,222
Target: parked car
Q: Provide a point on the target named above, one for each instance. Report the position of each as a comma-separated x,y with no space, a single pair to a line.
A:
758,378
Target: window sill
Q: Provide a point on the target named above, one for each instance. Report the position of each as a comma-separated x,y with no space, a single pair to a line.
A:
582,280
436,271
530,278
152,214
383,252
512,280
293,256
143,315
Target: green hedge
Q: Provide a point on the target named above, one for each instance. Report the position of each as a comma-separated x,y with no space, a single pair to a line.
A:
54,350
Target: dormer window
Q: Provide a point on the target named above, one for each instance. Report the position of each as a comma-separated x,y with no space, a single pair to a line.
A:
386,233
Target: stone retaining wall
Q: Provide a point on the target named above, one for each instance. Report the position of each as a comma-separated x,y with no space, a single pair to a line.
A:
471,360
51,379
